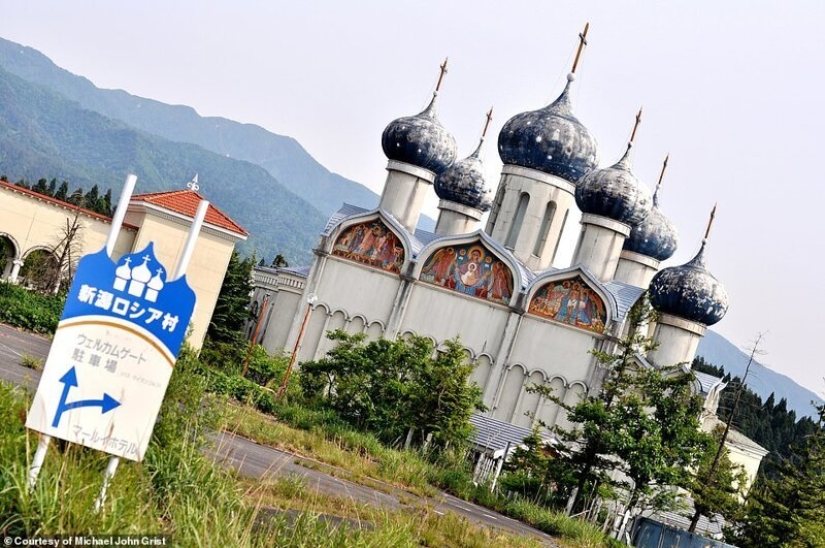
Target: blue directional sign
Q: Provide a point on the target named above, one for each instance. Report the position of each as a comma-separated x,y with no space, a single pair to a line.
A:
106,403
113,353
135,290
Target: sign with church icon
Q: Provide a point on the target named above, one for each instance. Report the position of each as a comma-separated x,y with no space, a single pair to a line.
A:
113,353
571,302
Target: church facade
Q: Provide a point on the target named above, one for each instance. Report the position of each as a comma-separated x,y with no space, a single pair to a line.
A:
520,320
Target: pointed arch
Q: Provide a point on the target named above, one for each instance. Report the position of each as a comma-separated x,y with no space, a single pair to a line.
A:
371,239
572,297
473,265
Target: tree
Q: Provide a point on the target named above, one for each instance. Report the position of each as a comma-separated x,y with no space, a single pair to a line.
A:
42,187
789,512
62,193
107,203
396,388
231,314
721,494
711,480
68,249
643,424
279,261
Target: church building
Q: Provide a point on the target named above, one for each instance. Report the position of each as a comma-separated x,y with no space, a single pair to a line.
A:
520,320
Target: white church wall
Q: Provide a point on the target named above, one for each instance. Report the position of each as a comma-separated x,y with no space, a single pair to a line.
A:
554,349
549,411
443,314
481,372
357,290
514,380
525,413
283,306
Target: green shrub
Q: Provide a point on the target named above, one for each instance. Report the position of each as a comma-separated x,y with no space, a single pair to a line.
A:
28,309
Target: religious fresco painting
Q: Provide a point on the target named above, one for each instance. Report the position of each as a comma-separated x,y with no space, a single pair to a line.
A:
572,302
371,243
470,269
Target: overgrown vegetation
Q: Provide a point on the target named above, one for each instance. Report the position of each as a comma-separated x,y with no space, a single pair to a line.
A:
402,390
29,310
630,444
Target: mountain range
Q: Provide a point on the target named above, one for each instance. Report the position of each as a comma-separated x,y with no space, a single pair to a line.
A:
717,350
57,124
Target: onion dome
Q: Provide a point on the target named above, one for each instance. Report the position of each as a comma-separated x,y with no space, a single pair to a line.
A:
420,140
550,139
614,192
690,291
463,183
656,236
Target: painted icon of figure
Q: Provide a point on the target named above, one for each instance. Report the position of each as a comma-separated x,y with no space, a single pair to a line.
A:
470,275
355,242
368,242
472,266
580,314
442,265
500,283
559,293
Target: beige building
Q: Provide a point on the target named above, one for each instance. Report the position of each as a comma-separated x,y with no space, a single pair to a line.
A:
32,227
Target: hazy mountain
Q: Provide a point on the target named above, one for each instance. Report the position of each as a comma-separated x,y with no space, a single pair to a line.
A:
42,134
282,156
717,350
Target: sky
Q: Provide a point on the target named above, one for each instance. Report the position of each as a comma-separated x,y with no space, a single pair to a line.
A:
732,90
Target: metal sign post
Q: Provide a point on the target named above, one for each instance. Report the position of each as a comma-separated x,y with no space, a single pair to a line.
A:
113,351
183,264
111,240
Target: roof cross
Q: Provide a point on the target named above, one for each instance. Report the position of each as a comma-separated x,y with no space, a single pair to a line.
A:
710,221
582,43
443,67
636,125
661,174
487,123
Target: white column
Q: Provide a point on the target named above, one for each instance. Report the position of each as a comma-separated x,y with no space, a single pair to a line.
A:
15,270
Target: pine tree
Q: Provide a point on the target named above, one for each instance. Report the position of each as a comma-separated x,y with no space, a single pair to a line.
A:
62,193
279,261
789,511
231,312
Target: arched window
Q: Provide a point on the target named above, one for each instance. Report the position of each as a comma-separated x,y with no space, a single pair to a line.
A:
523,201
561,233
496,207
546,221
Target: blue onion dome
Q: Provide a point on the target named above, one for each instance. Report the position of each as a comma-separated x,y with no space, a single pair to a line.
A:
550,139
656,236
615,192
689,292
420,140
464,183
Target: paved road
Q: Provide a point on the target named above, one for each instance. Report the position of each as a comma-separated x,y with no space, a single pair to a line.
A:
14,345
260,461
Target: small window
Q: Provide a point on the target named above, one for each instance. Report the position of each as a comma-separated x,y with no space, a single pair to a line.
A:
544,231
512,237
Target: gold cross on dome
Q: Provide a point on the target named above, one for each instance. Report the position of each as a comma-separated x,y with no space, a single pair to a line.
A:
443,67
582,43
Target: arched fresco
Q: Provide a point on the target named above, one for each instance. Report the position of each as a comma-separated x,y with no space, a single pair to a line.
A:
572,302
371,243
470,269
